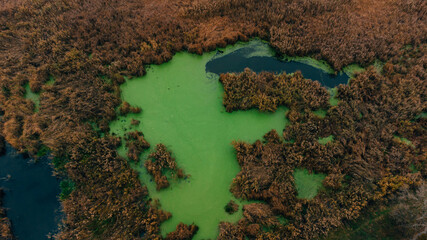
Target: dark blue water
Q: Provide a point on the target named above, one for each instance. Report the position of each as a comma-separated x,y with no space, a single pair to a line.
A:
240,59
31,195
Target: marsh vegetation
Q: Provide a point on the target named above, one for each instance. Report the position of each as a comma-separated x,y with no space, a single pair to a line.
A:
91,47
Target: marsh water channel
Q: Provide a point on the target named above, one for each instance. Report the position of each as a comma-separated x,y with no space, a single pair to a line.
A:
30,195
181,103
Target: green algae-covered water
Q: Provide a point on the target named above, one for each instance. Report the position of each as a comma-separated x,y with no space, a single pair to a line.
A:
307,184
35,97
182,108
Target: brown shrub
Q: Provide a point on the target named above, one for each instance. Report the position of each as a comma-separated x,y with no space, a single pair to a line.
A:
182,232
136,144
158,163
231,207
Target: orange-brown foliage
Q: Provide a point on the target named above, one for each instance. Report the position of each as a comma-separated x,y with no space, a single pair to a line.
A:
160,162
267,91
88,46
136,144
183,232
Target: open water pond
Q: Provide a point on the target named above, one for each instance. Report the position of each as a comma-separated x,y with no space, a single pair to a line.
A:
181,103
31,195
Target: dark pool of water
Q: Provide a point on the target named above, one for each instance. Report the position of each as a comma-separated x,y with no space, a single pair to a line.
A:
31,195
240,59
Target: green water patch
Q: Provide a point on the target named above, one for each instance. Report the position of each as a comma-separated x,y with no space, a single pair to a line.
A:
378,65
182,108
307,184
404,140
34,97
333,100
320,113
51,81
325,140
352,69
